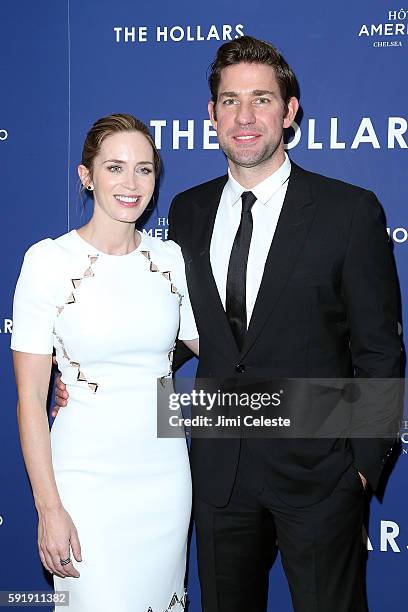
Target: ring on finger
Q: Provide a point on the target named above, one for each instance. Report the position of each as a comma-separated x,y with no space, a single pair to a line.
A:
65,561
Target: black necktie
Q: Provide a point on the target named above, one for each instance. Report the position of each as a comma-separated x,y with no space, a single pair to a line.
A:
235,303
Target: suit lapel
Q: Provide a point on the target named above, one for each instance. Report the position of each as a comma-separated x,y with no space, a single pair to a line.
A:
293,226
202,233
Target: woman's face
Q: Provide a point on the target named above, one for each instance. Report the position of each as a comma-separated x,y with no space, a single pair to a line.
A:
123,176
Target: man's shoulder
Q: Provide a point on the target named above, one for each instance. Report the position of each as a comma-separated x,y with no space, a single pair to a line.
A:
328,186
203,189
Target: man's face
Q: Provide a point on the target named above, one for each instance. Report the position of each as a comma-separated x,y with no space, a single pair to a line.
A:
249,115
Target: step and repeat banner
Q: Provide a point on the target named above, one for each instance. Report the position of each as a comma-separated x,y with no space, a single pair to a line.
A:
66,64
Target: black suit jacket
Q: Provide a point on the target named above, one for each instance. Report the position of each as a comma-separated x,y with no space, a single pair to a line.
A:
326,307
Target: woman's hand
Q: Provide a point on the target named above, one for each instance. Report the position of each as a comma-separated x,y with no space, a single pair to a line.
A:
57,536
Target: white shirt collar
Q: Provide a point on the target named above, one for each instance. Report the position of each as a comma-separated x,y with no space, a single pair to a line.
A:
265,190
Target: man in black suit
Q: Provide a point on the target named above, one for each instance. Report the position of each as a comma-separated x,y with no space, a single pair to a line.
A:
290,276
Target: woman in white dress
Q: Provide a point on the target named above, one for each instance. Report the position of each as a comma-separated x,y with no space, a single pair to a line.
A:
113,499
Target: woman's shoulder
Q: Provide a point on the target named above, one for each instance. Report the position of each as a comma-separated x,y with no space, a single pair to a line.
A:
165,253
165,248
41,254
42,248
46,246
50,252
167,256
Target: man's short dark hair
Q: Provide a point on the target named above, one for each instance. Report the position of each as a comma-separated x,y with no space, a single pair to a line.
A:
253,51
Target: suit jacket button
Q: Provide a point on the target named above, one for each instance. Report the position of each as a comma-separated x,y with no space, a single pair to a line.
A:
240,368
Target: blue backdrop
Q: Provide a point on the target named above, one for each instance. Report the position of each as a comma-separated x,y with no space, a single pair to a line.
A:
65,64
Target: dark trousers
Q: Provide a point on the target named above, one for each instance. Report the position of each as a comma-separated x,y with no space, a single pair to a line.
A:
320,545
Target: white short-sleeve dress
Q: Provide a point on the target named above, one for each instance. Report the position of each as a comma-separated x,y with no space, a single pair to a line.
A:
113,321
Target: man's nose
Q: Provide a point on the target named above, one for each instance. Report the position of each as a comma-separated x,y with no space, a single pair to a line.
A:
245,114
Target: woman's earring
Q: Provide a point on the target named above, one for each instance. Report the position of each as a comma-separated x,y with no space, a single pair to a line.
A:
90,188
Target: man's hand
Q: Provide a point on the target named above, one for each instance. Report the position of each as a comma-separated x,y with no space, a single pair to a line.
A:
61,393
363,479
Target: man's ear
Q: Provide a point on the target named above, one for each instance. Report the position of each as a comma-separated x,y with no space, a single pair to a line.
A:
84,175
212,114
293,107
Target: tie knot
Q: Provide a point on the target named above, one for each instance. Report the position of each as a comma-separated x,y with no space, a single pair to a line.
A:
248,200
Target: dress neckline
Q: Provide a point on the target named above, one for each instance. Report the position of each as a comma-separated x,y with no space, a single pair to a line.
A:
90,246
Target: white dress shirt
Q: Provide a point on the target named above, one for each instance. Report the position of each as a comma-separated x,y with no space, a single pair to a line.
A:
270,194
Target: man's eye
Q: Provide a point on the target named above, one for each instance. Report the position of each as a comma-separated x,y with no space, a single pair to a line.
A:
114,168
261,100
229,102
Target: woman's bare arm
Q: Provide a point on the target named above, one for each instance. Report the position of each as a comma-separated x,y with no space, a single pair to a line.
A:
56,530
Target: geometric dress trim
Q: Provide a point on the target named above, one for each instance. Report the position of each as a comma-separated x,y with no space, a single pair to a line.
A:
174,601
167,275
71,299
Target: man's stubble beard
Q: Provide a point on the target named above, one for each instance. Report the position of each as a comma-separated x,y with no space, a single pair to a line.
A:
260,157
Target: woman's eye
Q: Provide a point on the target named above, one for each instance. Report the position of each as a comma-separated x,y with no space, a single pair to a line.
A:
114,168
145,170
